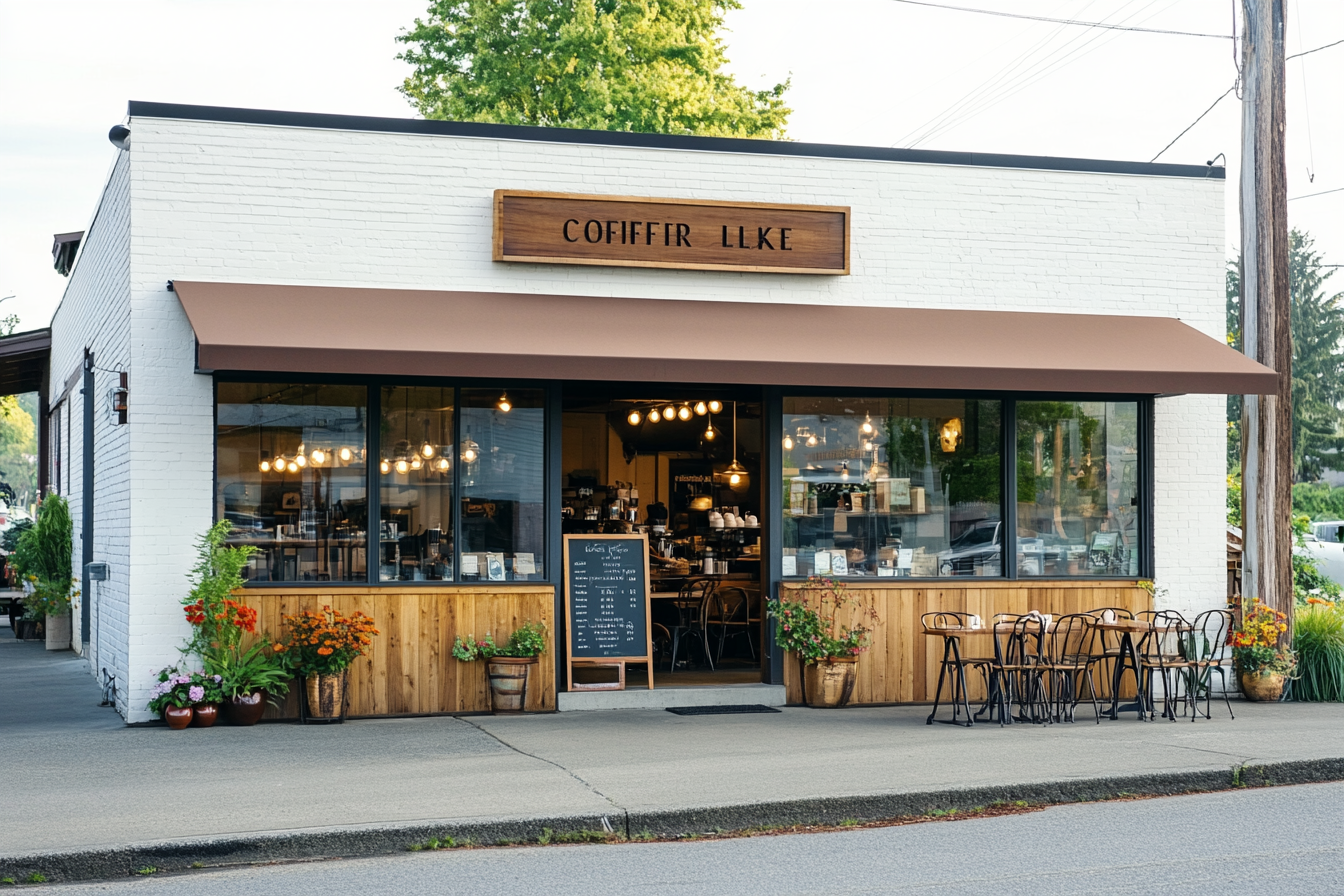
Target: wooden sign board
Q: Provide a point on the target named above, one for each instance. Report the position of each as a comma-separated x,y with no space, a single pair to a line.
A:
623,231
607,604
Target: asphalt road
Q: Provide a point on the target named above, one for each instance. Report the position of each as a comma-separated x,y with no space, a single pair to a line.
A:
1275,840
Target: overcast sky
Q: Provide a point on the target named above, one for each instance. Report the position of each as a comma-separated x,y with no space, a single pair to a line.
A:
877,72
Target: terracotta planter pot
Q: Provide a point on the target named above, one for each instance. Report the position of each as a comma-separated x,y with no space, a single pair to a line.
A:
326,696
245,709
829,683
203,715
177,717
1262,687
58,631
508,682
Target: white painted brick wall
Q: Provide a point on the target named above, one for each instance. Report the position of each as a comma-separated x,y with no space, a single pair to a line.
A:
95,314
214,201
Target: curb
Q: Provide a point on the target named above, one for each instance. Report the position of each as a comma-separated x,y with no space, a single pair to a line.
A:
357,842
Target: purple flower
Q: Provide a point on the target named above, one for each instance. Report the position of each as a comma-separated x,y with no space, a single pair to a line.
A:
218,679
196,693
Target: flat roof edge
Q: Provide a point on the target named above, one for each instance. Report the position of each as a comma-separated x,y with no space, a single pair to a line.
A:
428,127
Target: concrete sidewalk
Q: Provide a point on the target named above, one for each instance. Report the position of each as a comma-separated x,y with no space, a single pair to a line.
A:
88,797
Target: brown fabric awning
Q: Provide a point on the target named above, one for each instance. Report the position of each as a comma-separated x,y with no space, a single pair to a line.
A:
320,329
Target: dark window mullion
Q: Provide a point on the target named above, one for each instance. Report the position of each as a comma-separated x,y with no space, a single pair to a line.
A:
457,484
1008,493
373,425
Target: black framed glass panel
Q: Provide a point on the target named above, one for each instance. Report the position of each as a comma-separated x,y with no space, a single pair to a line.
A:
501,453
892,487
292,479
416,467
1078,488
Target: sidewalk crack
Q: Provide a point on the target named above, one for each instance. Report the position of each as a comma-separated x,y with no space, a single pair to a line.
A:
625,813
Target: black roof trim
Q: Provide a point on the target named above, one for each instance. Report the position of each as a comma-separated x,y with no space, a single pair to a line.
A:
657,141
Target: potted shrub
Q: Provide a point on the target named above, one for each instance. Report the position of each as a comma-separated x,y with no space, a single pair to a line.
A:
221,626
1318,641
808,624
319,647
1263,663
508,668
42,557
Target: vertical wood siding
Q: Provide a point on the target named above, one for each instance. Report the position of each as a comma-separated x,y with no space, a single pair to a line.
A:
410,669
902,664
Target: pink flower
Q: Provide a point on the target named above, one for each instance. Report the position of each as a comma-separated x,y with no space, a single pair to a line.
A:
196,693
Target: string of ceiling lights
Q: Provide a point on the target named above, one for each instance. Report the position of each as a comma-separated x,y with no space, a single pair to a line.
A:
405,457
660,411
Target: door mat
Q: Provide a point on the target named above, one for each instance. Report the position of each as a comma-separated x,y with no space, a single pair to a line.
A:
720,710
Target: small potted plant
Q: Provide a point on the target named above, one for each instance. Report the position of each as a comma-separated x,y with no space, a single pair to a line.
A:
807,623
205,694
508,667
172,697
249,677
1263,663
320,646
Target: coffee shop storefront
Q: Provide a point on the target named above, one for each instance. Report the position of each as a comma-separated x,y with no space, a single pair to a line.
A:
953,382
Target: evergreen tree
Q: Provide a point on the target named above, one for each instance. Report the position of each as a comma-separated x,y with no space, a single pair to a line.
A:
653,66
1317,322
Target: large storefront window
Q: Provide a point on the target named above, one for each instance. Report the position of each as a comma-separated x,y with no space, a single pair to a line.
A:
291,461
1077,488
892,487
502,456
415,529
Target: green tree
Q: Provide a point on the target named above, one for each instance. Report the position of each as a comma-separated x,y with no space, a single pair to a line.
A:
18,450
654,66
1317,322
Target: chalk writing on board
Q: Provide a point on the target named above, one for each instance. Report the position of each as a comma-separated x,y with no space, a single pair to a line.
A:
607,598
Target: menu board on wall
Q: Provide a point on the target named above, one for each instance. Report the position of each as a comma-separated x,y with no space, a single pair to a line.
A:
607,602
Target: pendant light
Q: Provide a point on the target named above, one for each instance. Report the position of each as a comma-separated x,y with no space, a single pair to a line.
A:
319,457
427,449
709,430
867,426
504,404
669,413
736,474
345,454
402,466
811,440
715,406
683,413
416,463
264,462
443,465
384,466
470,450
634,418
788,442
655,415
701,409
300,458
293,465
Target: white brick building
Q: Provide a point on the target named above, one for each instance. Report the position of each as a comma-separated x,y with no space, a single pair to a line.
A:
242,197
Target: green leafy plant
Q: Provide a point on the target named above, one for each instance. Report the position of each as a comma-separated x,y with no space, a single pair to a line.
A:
42,556
529,639
808,623
178,689
218,622
1318,640
258,668
37,877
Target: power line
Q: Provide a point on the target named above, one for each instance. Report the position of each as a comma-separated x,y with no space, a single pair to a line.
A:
1193,123
1309,195
1014,15
1286,58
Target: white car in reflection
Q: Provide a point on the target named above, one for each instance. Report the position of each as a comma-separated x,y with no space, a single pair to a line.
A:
1324,544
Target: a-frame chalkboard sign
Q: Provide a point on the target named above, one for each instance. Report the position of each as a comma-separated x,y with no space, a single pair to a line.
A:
607,605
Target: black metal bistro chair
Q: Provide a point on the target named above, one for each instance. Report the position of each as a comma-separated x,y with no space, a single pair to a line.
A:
952,627
729,610
1067,665
692,605
1207,648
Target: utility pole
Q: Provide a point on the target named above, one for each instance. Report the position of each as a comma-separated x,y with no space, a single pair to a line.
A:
1267,420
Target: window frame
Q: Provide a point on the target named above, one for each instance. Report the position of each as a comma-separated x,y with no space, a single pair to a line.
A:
374,385
1008,470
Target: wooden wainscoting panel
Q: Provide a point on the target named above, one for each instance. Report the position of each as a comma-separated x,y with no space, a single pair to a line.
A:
902,664
410,669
